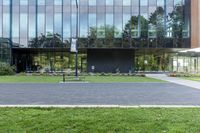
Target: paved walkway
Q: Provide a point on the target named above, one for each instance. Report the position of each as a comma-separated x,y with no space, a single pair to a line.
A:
110,94
189,83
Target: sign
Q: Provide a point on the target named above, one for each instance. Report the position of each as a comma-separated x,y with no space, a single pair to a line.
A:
73,45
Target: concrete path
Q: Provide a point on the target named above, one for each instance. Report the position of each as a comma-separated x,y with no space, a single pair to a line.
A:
109,94
189,83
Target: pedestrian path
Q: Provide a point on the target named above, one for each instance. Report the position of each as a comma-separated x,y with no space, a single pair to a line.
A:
189,83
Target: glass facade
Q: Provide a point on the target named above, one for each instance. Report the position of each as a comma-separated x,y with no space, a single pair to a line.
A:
5,50
102,23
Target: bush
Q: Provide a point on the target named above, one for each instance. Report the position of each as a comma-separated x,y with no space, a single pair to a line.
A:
6,69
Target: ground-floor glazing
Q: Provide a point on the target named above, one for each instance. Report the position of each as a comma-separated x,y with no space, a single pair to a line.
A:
94,60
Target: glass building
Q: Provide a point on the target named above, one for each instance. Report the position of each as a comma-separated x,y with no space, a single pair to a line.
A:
113,35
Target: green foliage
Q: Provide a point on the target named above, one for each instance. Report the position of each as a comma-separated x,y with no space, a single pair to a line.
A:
153,62
6,69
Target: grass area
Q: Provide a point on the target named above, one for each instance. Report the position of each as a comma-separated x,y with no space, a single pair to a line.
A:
192,78
152,120
92,79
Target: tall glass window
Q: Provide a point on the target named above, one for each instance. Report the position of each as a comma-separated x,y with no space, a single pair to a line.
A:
118,2
101,21
58,23
84,3
40,23
126,2
6,2
49,19
92,29
57,2
73,25
23,2
6,25
160,3
109,29
92,2
6,18
109,2
41,2
144,2
73,2
178,2
83,25
32,22
15,23
49,2
66,2
66,23
1,16
23,28
126,26
92,21
118,22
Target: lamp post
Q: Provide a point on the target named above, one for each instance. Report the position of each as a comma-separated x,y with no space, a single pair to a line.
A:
76,62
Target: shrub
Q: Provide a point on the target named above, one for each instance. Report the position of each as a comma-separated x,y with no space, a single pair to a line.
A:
6,69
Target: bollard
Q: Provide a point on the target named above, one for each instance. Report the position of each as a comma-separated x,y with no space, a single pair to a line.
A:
63,77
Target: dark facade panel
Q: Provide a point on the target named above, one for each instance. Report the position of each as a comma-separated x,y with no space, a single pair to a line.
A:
110,61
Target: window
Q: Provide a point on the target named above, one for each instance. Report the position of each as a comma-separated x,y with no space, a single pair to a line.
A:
73,2
49,19
144,2
57,2
41,23
126,2
109,2
118,2
1,28
92,2
100,25
83,25
6,2
101,2
23,28
160,3
49,2
177,2
6,25
41,2
23,2
92,20
66,26
118,25
83,2
32,25
58,23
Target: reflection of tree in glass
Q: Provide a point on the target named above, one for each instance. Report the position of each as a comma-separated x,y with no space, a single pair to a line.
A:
102,33
157,18
177,25
48,41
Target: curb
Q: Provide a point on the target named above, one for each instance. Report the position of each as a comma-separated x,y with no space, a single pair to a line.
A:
99,106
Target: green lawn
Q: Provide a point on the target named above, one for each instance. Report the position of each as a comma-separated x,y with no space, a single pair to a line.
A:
56,79
115,120
192,78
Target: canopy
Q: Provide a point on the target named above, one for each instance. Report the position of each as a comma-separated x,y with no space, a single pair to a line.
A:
194,50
